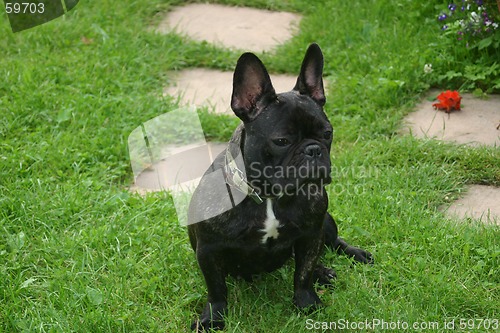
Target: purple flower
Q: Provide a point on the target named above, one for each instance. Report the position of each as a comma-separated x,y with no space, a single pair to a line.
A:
486,18
442,17
479,2
444,27
452,7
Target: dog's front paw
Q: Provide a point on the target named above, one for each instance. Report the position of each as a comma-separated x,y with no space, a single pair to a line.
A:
212,317
306,300
359,255
323,275
205,325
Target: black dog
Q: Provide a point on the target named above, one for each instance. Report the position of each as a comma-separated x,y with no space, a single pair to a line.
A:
254,220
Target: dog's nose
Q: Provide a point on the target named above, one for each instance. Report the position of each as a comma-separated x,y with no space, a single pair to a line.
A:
313,150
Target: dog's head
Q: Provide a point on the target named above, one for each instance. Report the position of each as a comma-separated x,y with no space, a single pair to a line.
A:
287,136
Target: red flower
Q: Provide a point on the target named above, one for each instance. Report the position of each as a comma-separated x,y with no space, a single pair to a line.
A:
448,100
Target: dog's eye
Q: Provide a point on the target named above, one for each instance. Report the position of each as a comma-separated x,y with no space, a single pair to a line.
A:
281,142
327,135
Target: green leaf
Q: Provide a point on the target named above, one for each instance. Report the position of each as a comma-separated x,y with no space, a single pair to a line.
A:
478,92
17,242
452,74
94,295
64,115
485,43
27,283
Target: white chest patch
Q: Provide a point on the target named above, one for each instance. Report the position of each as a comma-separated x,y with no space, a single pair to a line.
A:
271,224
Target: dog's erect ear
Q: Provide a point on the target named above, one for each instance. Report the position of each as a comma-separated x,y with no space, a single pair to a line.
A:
252,87
310,81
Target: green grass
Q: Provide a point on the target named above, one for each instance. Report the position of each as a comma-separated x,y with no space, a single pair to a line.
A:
78,253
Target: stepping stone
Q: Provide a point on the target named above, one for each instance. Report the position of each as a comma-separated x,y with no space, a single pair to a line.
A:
480,202
233,27
211,88
161,175
170,152
476,124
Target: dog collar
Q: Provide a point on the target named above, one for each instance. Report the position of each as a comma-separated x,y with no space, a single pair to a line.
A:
236,178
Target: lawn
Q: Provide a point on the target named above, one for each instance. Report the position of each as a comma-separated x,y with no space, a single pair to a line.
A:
79,253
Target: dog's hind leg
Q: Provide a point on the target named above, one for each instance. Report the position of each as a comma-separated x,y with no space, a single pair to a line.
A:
333,241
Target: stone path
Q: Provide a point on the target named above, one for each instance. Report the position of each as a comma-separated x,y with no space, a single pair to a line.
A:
247,29
256,30
476,124
159,176
480,202
212,88
241,28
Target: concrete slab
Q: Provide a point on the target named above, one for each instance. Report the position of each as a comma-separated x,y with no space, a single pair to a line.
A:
212,88
476,124
234,27
480,202
184,167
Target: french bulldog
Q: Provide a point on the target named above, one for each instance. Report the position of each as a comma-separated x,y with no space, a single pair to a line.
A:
275,170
